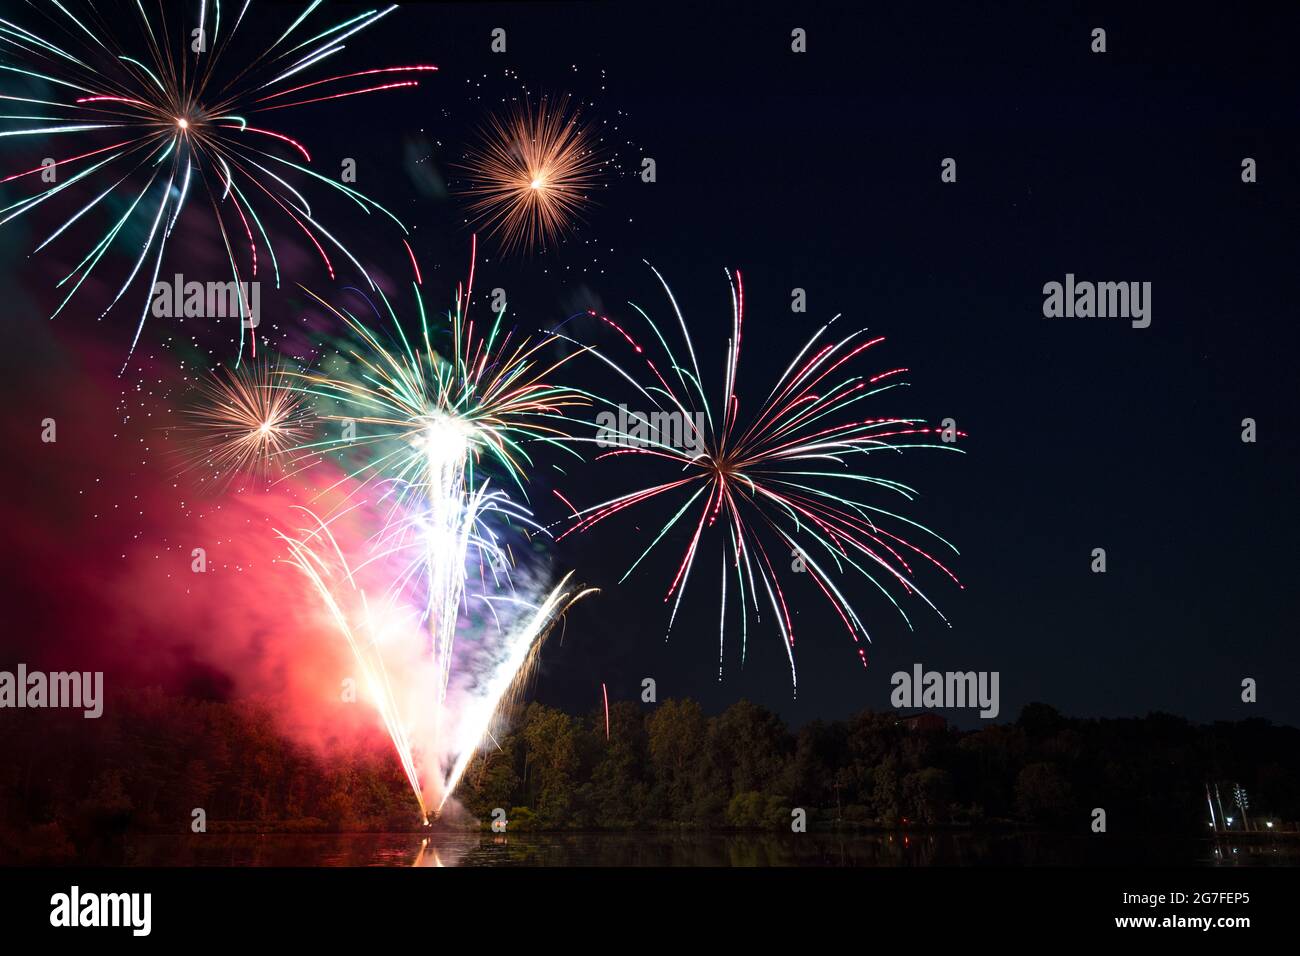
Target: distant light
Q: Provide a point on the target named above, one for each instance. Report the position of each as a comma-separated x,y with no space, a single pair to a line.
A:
1229,821
1269,824
182,122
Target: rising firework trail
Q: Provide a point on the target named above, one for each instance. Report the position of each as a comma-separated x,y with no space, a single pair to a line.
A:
170,113
780,484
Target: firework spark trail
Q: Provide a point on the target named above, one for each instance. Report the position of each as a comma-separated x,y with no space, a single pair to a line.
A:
532,174
161,111
781,474
431,421
317,554
386,637
507,676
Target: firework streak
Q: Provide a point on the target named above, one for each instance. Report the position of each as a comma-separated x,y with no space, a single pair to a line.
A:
151,121
785,474
389,646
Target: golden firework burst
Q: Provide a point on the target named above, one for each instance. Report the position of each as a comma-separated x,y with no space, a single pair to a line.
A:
243,423
532,174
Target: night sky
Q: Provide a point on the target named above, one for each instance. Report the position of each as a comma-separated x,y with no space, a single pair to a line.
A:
819,171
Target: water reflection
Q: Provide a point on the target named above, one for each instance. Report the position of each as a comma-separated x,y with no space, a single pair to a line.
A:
439,853
695,849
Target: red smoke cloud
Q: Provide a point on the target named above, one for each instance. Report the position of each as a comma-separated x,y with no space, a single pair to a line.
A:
98,565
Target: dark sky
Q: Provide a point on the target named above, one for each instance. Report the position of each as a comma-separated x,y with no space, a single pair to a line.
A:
822,171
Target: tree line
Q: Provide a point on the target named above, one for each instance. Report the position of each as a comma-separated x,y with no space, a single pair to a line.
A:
672,765
66,783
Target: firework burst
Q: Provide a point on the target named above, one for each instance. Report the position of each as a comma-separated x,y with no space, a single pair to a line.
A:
156,122
785,475
243,424
533,173
489,397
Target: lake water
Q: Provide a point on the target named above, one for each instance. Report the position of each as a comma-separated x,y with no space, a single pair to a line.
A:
697,849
